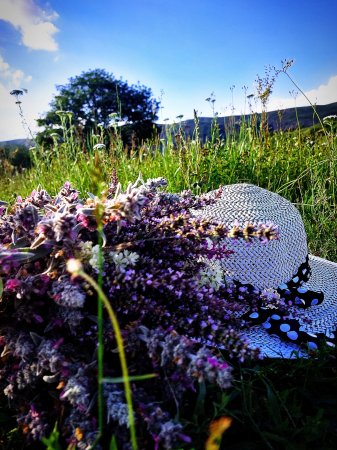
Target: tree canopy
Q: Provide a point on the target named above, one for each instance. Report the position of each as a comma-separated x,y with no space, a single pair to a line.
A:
96,94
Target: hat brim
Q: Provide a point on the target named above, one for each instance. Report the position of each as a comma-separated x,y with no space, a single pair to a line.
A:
323,317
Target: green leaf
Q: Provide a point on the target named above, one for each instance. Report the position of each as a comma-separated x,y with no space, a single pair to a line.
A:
52,442
17,256
1,287
113,443
200,403
132,378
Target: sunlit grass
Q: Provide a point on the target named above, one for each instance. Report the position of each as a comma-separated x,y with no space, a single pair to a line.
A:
300,166
278,404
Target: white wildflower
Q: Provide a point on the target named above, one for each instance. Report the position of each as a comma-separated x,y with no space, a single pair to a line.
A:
9,391
124,258
331,117
85,252
212,276
99,147
94,260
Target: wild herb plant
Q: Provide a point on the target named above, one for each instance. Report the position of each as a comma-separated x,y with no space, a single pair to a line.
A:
17,94
151,261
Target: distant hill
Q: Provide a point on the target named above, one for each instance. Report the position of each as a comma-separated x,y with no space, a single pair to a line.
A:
14,143
284,119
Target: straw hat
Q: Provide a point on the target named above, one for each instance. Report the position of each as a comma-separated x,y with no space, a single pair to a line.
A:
306,284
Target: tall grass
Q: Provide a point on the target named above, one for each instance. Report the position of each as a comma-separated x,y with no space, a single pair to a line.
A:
281,404
300,165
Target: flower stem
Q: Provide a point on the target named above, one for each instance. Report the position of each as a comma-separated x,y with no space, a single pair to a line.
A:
127,387
100,330
308,99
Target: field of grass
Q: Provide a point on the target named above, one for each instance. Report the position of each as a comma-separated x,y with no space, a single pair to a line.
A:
300,165
274,404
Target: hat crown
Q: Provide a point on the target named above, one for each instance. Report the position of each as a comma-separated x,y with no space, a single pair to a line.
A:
262,265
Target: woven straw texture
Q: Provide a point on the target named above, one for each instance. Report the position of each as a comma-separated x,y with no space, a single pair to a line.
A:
269,265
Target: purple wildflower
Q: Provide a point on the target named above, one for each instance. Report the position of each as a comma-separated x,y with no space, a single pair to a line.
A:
160,273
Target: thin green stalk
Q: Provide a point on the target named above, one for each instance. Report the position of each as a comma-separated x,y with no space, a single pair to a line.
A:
100,349
127,386
307,98
298,126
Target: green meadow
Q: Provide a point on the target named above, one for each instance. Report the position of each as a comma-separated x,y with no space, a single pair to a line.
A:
275,404
300,165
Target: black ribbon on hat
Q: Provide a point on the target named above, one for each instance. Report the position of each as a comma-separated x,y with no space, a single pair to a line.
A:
293,293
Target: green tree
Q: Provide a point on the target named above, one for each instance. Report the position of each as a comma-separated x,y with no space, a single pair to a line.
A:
14,158
96,94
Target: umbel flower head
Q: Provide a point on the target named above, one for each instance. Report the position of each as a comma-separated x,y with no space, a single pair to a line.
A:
168,300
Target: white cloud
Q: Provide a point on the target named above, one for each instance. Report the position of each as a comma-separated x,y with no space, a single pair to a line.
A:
12,78
322,95
4,68
325,93
35,24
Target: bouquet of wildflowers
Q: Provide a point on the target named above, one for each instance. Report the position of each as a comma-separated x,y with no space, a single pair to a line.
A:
180,322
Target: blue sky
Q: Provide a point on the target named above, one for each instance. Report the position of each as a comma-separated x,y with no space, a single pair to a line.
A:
183,50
